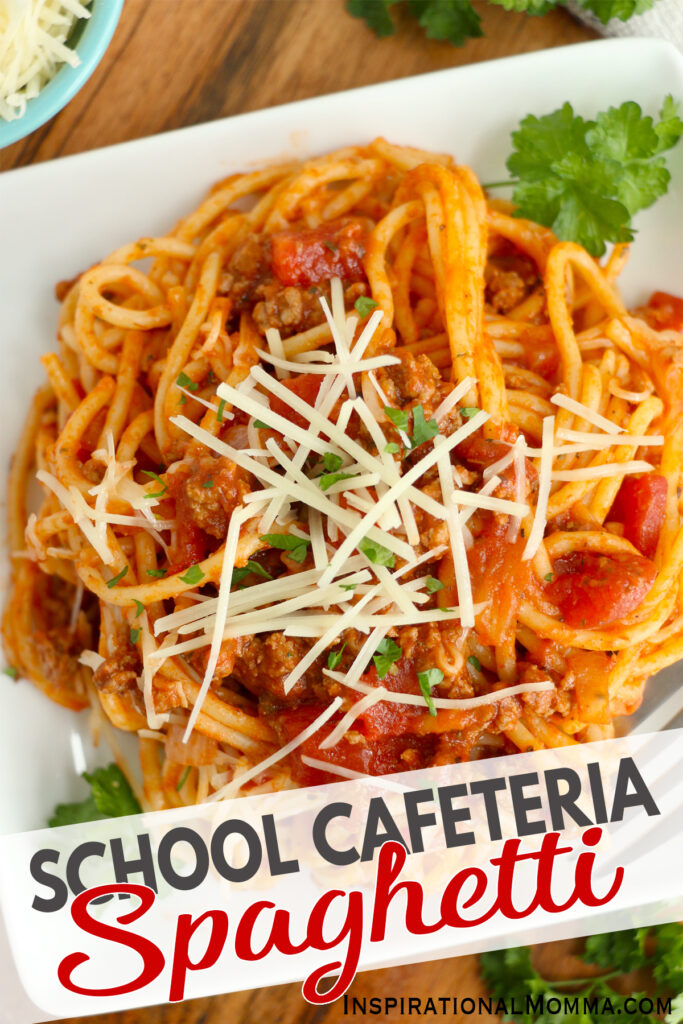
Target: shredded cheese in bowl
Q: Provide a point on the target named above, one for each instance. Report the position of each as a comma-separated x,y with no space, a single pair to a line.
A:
33,45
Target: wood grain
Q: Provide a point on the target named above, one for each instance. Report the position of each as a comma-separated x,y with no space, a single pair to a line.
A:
179,62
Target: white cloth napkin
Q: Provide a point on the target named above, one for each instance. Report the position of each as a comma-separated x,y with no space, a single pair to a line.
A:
663,20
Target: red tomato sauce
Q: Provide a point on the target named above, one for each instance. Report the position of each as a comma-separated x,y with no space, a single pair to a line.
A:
306,386
310,256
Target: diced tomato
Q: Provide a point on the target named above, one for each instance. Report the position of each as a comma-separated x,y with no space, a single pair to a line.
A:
306,386
640,505
310,256
667,311
592,590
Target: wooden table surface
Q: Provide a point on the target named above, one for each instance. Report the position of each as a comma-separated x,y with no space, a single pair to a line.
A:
178,62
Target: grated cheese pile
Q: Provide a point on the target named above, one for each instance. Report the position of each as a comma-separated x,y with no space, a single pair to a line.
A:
33,35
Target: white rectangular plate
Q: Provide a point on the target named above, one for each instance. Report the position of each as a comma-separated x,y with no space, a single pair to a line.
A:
58,218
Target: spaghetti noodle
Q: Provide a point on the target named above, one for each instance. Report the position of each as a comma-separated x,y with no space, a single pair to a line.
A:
350,473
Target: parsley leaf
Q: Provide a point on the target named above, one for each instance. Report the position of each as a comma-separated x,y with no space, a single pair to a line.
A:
331,247
388,652
110,797
334,657
428,679
432,585
134,634
192,576
375,14
377,553
220,410
364,305
156,574
397,416
528,6
207,485
11,671
423,430
468,411
549,577
155,476
621,9
327,479
117,579
183,381
260,425
139,608
239,574
586,179
392,448
453,20
473,660
296,547
332,462
183,778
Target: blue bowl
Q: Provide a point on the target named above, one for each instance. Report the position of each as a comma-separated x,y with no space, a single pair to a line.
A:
97,32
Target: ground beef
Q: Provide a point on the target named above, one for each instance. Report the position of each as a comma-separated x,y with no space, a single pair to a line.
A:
209,491
58,659
509,279
119,673
264,663
415,380
251,285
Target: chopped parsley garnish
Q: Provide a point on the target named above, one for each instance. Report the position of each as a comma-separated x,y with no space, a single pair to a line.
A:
183,778
468,411
193,576
260,425
377,553
473,660
423,430
251,567
334,657
587,179
364,305
156,574
348,586
139,608
332,462
134,634
387,654
11,671
432,585
296,547
427,680
155,476
398,417
331,246
110,797
327,479
392,448
117,579
207,485
549,577
183,381
220,410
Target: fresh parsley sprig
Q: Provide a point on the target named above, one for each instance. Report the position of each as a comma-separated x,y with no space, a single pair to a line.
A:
110,797
296,547
587,179
456,21
511,976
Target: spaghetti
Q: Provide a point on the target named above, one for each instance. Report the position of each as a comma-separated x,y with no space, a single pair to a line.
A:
352,472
